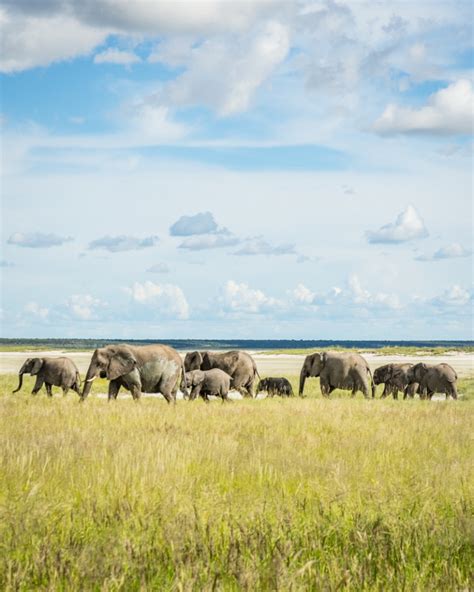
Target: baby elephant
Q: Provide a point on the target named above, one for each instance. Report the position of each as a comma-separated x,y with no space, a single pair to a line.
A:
208,382
276,386
395,378
51,372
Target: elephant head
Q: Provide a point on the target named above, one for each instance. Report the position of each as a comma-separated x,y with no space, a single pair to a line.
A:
194,377
383,374
31,366
417,372
312,366
109,362
262,385
192,361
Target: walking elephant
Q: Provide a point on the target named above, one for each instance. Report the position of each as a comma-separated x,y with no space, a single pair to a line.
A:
238,364
395,378
51,372
440,378
147,368
208,383
276,386
347,371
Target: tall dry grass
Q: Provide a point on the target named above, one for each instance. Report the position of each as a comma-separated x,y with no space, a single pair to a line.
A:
275,494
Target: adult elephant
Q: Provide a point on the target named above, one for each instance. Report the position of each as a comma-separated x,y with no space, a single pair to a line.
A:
51,372
238,364
394,377
147,368
440,378
347,371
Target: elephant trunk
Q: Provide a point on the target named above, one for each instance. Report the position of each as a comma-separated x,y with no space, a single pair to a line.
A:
90,377
303,377
20,384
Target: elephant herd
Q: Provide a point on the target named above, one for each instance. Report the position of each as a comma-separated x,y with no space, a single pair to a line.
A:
160,369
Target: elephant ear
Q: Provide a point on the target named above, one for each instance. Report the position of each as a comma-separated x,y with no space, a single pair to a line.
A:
122,361
37,365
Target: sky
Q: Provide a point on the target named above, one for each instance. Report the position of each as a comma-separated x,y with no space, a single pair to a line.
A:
248,170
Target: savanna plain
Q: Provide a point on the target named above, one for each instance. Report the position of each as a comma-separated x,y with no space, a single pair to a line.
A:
270,494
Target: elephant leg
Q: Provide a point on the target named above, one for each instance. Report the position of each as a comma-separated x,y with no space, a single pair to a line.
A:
38,384
195,392
49,389
167,390
65,390
114,387
385,391
395,393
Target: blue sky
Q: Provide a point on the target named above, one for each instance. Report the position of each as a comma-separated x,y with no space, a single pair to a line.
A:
229,169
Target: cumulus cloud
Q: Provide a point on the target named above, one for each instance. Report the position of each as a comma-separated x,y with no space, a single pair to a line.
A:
37,240
35,310
201,223
84,306
243,299
360,295
449,111
453,296
409,225
209,241
159,268
262,247
167,299
115,244
452,251
116,56
303,295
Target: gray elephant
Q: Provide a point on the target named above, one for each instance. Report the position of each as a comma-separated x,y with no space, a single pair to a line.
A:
395,378
147,368
238,364
347,371
276,386
206,383
440,378
51,372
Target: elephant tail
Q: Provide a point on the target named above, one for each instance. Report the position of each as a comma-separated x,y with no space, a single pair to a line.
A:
183,387
255,370
372,383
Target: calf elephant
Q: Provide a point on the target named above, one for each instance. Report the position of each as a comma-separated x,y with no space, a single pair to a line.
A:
395,378
147,368
347,371
440,378
238,364
276,386
208,383
51,372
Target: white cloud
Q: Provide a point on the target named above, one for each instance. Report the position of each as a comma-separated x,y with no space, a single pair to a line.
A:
452,251
37,240
260,246
33,41
35,310
225,73
409,225
151,121
241,298
454,296
167,299
84,306
115,244
159,268
303,295
116,56
449,111
360,295
201,223
210,241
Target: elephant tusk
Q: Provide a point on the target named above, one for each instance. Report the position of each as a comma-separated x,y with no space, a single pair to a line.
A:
91,379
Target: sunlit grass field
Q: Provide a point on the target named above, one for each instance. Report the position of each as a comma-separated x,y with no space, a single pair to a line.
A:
299,494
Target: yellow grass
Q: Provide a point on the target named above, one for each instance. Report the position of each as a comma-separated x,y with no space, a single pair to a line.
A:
300,494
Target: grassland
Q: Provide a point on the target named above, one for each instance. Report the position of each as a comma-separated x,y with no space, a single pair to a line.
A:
396,350
297,494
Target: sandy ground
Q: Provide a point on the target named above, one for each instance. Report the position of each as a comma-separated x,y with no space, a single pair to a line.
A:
268,365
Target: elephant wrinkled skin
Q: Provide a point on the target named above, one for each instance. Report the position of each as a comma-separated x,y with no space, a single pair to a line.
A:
51,372
208,383
347,371
147,368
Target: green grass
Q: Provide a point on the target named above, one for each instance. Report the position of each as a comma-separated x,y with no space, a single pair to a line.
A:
300,494
381,351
